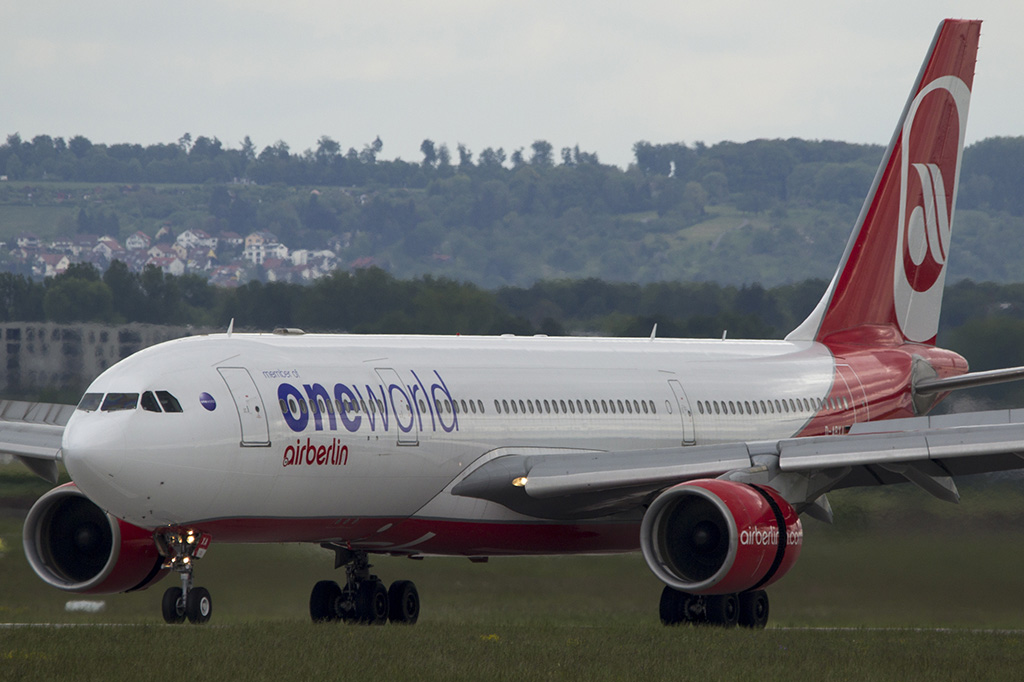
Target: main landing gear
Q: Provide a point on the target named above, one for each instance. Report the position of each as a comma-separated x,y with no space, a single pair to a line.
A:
363,599
182,549
747,609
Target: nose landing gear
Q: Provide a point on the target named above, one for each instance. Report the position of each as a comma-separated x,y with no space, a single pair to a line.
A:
363,599
182,549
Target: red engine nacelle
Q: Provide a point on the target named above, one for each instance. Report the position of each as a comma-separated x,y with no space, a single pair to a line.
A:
719,537
73,544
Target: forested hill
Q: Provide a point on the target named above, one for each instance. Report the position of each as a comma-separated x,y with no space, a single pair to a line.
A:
768,211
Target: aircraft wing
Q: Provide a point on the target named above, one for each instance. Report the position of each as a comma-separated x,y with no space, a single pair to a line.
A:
32,432
926,451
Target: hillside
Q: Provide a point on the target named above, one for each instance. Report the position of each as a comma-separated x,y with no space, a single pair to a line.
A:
770,211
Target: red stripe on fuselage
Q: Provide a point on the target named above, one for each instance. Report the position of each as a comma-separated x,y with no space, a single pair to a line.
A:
434,536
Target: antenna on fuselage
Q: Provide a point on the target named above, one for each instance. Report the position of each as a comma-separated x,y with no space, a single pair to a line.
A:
231,327
654,332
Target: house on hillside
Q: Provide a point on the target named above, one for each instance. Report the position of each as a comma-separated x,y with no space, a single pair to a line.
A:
27,240
137,242
51,264
171,265
108,248
196,238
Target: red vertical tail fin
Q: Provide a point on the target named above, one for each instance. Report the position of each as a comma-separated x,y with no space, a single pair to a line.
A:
894,267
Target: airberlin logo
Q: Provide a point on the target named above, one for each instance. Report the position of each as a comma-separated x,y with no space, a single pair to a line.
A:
930,172
768,536
310,454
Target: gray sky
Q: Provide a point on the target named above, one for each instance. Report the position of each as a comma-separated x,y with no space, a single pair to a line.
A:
602,75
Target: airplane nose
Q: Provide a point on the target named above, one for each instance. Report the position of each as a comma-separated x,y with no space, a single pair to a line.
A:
93,448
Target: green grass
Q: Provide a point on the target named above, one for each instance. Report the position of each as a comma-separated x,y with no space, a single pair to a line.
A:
296,651
922,590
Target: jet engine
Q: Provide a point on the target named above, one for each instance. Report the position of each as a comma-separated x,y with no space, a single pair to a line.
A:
73,544
720,537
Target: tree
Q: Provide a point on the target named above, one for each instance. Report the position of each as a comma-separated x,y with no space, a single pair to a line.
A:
248,149
327,149
429,153
79,146
465,158
71,299
128,298
542,151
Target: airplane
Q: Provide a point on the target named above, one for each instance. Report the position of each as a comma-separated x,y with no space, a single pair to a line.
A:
700,453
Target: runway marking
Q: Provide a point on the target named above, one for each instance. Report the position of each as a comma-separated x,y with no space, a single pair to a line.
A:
17,626
972,631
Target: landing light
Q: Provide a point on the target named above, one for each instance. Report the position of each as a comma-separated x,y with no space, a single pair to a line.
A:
519,482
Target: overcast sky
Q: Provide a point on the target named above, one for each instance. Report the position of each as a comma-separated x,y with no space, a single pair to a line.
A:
485,73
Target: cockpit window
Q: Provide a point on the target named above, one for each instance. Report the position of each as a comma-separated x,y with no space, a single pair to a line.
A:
120,401
168,402
90,402
149,403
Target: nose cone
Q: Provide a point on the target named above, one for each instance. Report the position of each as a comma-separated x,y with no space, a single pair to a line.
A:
94,451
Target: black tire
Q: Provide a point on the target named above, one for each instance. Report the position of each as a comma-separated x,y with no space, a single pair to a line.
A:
323,602
754,609
673,607
172,606
372,603
198,605
403,602
722,610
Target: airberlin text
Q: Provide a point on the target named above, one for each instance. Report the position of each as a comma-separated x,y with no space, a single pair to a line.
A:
311,454
761,536
412,407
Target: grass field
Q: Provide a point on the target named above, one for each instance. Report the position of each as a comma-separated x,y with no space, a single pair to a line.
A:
920,590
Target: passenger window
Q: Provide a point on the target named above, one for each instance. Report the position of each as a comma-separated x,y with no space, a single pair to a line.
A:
604,406
529,404
504,405
497,406
472,405
463,402
480,403
547,407
90,402
654,408
515,408
114,402
149,403
644,403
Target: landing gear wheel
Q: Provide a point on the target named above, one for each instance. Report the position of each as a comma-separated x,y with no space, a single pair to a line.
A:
173,606
722,610
372,603
675,607
323,602
403,602
198,605
754,609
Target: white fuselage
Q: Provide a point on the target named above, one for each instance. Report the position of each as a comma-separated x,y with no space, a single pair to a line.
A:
256,454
